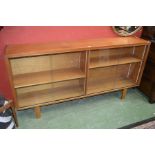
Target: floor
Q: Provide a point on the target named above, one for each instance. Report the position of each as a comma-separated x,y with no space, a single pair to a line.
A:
105,111
149,125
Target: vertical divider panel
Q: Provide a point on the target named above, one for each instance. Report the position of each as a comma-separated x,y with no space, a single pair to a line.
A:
116,68
87,70
83,62
51,74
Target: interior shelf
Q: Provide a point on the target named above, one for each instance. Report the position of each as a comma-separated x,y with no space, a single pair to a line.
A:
49,92
43,77
95,62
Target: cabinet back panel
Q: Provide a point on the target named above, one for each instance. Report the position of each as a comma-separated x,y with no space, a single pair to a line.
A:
101,79
48,86
102,73
114,77
48,93
128,71
45,63
139,52
111,53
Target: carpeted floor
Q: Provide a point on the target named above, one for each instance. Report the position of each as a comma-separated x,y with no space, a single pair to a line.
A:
149,125
105,111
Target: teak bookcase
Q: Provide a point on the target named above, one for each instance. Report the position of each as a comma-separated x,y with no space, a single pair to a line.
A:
42,74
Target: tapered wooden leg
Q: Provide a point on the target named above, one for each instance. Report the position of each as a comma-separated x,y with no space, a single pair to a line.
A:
37,112
124,92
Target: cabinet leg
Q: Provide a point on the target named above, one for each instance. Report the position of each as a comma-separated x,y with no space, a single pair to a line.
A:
124,92
37,112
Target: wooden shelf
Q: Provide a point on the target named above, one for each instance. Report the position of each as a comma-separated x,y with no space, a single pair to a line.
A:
95,63
121,83
44,77
49,95
101,86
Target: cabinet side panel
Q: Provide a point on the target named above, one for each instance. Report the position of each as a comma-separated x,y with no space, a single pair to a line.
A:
9,71
87,71
147,47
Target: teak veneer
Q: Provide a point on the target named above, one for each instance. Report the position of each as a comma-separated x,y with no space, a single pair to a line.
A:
48,73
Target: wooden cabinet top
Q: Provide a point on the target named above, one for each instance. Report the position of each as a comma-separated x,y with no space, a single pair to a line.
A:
24,50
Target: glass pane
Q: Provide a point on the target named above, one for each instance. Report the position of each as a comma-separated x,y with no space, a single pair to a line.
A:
117,56
101,79
29,96
112,78
127,75
49,68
